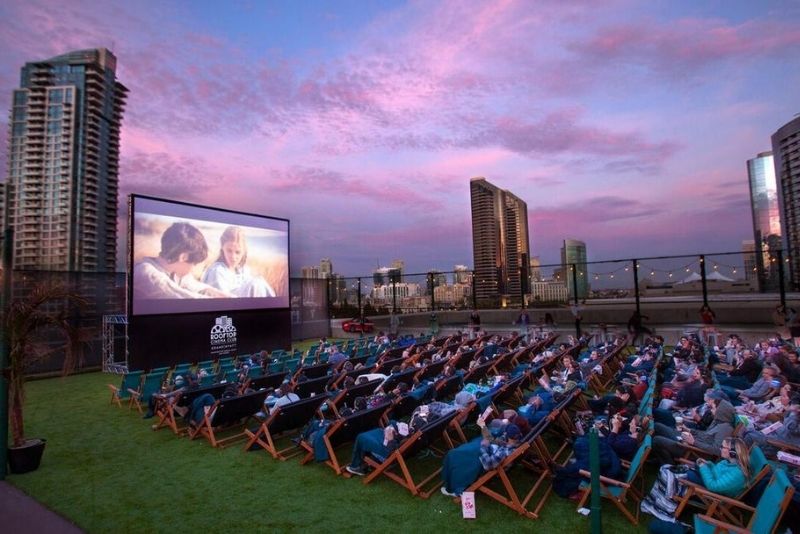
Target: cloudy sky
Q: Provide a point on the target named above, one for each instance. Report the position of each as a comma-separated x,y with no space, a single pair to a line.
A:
627,127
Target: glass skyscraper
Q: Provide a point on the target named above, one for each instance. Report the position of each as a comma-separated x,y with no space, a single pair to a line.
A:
500,244
60,194
786,150
573,254
766,218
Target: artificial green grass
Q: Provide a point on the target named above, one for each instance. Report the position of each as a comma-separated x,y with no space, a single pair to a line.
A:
105,470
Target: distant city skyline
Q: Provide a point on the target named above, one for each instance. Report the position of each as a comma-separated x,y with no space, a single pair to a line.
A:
362,123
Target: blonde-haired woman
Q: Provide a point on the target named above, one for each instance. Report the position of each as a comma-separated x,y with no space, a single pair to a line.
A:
230,273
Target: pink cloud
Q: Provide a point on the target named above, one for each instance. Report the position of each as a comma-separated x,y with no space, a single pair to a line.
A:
687,43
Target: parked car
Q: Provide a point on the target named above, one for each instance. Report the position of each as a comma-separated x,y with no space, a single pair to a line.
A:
358,325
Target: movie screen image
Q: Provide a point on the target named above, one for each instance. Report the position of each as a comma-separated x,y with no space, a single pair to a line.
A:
186,258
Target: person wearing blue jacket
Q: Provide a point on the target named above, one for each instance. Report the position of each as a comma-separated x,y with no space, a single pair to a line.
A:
729,476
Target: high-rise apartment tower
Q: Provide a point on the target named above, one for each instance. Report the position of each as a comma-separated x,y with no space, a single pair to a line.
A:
499,241
61,188
786,151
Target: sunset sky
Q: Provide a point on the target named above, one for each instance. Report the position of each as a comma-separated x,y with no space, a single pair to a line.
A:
626,127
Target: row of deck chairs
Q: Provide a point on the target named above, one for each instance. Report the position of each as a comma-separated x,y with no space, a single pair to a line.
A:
437,435
226,419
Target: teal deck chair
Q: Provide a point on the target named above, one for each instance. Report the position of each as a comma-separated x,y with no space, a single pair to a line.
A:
766,515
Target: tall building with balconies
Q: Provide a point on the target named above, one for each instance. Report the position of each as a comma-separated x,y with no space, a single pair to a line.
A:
500,244
766,218
786,152
61,189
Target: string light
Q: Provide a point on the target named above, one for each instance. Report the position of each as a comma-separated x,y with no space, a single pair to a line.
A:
652,272
612,275
670,274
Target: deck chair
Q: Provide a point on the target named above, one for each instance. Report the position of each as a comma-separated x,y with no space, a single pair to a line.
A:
507,493
345,430
281,420
766,515
181,369
165,410
226,414
269,381
432,369
385,367
448,388
424,438
503,362
313,371
478,373
151,384
618,491
509,394
346,396
130,381
699,496
406,377
314,386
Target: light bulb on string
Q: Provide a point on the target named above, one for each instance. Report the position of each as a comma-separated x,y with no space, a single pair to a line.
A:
652,273
670,275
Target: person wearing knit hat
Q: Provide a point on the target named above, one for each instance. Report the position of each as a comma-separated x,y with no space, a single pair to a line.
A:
666,449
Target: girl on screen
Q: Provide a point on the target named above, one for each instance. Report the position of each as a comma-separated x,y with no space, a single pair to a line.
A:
230,273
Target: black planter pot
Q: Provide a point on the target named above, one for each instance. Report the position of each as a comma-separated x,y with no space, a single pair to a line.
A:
26,458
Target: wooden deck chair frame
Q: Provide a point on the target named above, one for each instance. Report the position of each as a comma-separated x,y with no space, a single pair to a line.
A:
166,413
723,527
538,459
711,501
281,420
364,421
130,381
209,427
424,438
534,454
627,489
351,393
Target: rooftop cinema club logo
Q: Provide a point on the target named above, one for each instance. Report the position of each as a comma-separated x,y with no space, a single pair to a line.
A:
223,336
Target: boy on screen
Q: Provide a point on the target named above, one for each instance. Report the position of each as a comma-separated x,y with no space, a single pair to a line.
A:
168,276
230,273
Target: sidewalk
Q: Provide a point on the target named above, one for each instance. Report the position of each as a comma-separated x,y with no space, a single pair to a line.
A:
23,515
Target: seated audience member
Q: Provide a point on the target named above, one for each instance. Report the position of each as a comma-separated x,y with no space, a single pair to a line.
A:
568,479
759,390
728,476
463,465
381,442
767,412
538,407
742,376
622,400
786,431
667,447
625,435
283,396
182,384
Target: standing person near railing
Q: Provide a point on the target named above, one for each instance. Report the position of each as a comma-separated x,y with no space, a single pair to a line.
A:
523,321
474,323
636,325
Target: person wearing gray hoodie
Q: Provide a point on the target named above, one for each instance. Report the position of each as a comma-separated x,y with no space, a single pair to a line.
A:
667,449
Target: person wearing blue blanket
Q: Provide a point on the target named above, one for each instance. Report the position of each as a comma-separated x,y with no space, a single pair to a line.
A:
463,465
537,408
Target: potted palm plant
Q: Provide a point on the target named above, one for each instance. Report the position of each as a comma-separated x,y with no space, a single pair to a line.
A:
36,326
